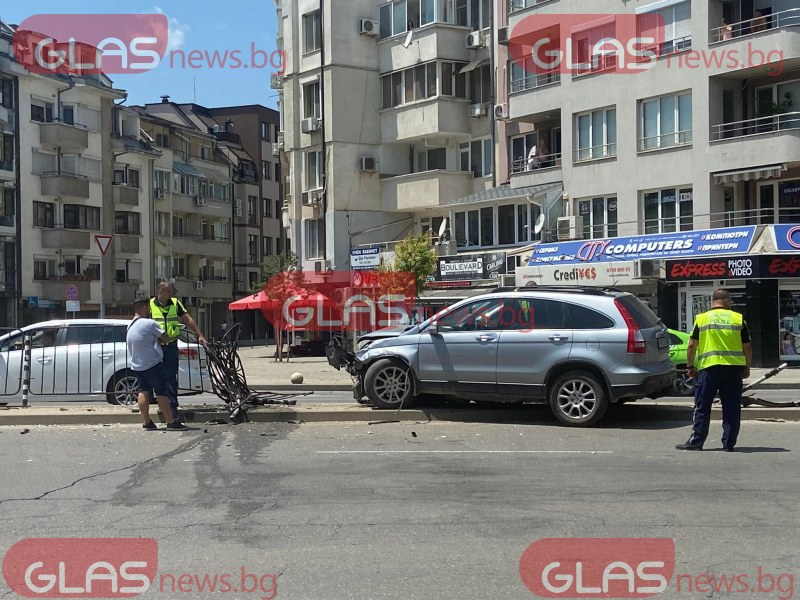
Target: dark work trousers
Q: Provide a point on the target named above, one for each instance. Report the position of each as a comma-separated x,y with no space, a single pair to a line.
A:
726,380
171,367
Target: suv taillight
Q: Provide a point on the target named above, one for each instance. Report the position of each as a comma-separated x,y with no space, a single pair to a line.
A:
190,353
636,343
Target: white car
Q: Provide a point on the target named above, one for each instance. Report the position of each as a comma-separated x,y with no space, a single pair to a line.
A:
85,359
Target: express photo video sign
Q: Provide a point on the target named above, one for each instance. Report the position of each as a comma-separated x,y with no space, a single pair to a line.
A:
734,267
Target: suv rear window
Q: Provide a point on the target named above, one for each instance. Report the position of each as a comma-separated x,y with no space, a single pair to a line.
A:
641,313
581,317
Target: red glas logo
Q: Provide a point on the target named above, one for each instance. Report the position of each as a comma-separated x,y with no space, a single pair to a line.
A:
91,44
598,567
581,44
81,567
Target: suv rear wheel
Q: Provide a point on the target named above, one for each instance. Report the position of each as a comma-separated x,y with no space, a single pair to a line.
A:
389,384
577,398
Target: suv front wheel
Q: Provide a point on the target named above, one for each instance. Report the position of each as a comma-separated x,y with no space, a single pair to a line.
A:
577,398
389,384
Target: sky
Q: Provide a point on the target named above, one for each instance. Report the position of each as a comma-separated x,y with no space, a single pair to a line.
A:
204,25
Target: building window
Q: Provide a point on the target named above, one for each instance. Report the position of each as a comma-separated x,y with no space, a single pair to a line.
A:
43,269
596,134
7,207
514,223
128,223
252,210
599,217
399,17
480,85
677,32
266,170
788,202
43,214
162,223
475,227
279,246
41,111
252,249
82,167
178,226
77,216
313,238
7,152
409,85
266,208
478,157
161,180
264,131
6,92
311,101
665,121
668,210
313,179
267,246
432,160
312,34
278,209
179,266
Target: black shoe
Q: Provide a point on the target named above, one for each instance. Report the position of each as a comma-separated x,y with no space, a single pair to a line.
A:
688,446
177,426
150,426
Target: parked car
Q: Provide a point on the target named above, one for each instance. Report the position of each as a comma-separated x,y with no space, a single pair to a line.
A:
678,347
85,358
577,349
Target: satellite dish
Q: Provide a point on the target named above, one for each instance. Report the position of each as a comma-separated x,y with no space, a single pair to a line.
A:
539,224
410,35
443,228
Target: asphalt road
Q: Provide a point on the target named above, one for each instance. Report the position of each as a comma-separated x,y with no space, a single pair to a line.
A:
407,511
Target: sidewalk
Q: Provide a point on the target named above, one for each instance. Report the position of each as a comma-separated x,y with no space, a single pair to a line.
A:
264,373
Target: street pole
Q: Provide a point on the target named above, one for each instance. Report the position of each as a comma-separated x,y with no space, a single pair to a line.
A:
102,285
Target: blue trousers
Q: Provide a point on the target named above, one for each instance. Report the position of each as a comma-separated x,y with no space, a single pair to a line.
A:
171,367
727,381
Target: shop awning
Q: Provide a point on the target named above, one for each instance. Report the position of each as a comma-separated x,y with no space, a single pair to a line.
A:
474,65
184,169
764,172
536,193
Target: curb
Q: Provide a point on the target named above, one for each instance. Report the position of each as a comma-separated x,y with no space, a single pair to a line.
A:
304,387
321,414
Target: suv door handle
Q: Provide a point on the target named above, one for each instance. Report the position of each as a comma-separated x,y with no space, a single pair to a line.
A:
105,356
485,338
558,338
44,361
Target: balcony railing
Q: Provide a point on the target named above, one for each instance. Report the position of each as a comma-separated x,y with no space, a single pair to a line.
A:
6,165
665,140
595,153
533,81
547,161
515,5
667,47
778,20
8,220
748,127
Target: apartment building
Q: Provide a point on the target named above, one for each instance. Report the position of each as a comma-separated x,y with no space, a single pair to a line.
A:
707,138
258,223
9,198
387,120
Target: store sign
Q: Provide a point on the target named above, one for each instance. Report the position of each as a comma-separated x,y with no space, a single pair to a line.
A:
365,259
734,267
787,238
468,267
601,274
731,240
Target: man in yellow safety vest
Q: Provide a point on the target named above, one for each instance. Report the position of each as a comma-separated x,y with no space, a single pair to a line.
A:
170,314
719,358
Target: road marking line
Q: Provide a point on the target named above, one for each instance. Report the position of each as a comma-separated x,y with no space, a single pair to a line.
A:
464,452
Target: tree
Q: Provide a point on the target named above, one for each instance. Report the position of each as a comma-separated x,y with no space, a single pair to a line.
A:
415,255
279,275
272,265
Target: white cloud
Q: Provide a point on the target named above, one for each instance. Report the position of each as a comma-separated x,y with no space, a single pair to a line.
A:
177,31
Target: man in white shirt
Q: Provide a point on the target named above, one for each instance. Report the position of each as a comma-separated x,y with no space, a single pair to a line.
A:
146,357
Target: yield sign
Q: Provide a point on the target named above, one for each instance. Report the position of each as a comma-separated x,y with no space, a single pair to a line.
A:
103,242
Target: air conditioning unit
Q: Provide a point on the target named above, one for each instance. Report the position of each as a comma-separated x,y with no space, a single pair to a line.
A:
475,40
647,269
310,125
501,111
312,198
281,136
478,110
502,36
276,149
368,164
509,280
198,285
276,81
238,212
198,302
238,203
161,194
568,229
449,248
199,201
240,286
321,266
368,27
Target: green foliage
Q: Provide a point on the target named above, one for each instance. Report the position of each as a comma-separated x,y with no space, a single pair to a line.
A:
416,256
272,265
768,109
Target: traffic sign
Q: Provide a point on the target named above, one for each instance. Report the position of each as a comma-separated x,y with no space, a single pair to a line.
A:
73,306
103,242
71,291
33,302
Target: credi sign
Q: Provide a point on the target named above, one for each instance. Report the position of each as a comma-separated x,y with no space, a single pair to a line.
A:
600,274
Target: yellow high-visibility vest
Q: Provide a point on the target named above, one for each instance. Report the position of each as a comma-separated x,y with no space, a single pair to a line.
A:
168,320
720,339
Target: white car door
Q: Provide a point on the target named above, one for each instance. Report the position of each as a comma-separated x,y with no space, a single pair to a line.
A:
87,359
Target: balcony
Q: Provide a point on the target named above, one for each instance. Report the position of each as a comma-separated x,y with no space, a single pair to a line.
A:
742,144
8,221
55,289
185,243
65,185
541,170
778,38
206,206
534,93
215,288
439,117
70,239
126,243
7,170
124,293
6,116
432,41
126,195
429,189
64,136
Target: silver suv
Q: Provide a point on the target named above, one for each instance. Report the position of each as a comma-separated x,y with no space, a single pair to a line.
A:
578,349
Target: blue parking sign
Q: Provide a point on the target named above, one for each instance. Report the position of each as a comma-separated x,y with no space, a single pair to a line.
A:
33,302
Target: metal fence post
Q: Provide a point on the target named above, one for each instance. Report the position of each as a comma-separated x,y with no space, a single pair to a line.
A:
26,370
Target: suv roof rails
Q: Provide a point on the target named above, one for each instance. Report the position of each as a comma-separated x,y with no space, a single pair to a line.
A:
578,289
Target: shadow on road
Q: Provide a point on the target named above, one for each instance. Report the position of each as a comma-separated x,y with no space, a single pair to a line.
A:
753,450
